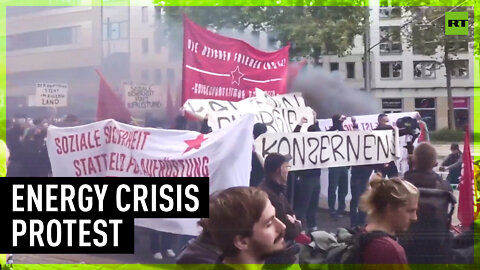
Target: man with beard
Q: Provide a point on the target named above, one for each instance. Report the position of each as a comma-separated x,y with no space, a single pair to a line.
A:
243,225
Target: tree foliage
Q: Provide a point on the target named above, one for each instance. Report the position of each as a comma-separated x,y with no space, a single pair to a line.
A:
311,31
425,32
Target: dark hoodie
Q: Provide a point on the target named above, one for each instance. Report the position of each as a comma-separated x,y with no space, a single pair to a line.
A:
337,123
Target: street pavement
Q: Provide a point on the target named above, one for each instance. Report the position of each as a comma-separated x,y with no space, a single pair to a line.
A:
143,255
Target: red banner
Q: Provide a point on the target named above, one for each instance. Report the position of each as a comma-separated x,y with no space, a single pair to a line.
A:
218,67
466,187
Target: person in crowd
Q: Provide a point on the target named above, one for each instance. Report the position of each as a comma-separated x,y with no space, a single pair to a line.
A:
391,205
275,184
389,170
199,250
337,178
358,185
453,164
257,174
307,188
422,174
14,138
180,123
71,120
204,127
243,224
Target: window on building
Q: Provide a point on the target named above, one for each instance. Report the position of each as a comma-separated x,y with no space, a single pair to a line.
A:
387,11
390,39
424,69
350,70
144,45
115,30
145,76
426,108
458,44
461,111
158,76
459,69
392,105
43,38
423,32
333,66
144,14
170,75
392,70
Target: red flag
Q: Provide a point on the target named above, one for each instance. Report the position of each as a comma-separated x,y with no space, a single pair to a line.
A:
109,104
293,69
465,200
218,67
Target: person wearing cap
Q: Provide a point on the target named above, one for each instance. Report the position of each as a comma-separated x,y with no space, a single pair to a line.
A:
337,178
275,185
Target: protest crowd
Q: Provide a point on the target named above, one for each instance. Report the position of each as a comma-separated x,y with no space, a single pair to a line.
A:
270,215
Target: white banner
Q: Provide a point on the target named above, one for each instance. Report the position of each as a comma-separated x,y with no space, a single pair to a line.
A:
110,148
290,100
143,97
365,122
201,108
51,95
276,119
313,150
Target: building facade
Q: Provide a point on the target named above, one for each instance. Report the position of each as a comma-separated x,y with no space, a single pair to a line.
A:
403,79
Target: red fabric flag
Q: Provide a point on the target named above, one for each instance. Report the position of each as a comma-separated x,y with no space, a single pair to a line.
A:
465,200
293,70
218,67
109,104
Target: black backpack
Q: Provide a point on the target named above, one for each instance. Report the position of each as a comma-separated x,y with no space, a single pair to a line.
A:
429,239
344,247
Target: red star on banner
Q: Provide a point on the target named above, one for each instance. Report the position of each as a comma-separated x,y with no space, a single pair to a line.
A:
195,143
237,76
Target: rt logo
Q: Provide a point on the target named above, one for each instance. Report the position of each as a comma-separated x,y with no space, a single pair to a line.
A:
456,23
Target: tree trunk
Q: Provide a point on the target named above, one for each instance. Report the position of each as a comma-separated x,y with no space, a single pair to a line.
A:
448,68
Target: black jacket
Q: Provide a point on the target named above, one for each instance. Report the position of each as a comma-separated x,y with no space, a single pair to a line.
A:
430,179
200,250
257,173
276,194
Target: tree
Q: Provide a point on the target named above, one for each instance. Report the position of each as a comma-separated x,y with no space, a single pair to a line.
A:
312,31
425,34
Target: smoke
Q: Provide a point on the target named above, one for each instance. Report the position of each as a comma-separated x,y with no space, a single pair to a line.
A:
328,94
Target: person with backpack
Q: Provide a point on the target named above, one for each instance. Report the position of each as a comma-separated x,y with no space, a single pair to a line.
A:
422,174
391,205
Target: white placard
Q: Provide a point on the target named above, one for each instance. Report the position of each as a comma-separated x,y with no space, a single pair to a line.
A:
51,95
